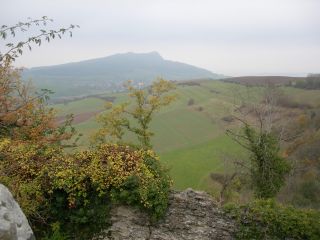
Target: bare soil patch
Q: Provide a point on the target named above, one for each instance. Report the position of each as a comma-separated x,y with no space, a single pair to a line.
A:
79,118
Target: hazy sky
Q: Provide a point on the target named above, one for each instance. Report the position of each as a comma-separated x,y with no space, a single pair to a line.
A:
231,37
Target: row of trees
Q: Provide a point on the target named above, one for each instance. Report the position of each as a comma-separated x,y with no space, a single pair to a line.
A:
312,81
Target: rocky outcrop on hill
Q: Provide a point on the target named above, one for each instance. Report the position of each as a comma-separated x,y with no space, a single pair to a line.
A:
191,215
13,223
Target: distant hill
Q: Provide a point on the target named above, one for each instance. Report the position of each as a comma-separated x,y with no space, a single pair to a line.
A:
109,73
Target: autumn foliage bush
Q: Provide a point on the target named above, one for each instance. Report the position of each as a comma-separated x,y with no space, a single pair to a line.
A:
77,190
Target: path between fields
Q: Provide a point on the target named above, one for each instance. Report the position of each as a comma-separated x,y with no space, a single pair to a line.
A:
78,118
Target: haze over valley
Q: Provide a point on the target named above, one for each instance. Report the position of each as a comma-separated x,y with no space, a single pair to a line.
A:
159,119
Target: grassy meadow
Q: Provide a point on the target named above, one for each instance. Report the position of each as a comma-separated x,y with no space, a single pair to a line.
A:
189,134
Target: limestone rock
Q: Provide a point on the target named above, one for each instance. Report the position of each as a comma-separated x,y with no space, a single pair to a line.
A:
13,223
191,215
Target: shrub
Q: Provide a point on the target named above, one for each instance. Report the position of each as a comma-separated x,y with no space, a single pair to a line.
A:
199,109
286,102
191,102
21,165
229,118
268,168
75,191
265,219
151,195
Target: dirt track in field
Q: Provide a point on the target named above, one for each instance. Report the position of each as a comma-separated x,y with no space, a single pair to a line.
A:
78,118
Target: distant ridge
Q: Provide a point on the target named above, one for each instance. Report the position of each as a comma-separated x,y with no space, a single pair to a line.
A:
263,80
109,73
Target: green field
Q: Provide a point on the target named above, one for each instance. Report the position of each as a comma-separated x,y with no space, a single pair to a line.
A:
190,139
81,106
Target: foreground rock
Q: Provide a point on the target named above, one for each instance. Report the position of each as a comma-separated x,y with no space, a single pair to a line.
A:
191,215
13,223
